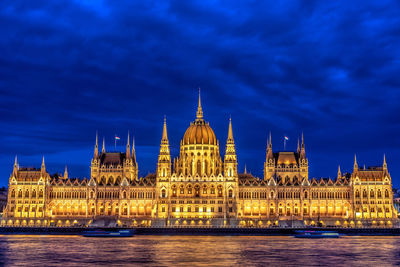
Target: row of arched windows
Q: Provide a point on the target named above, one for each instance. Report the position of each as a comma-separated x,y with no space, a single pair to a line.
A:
27,193
371,193
68,194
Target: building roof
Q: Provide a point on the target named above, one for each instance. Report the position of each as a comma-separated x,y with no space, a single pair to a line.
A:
112,158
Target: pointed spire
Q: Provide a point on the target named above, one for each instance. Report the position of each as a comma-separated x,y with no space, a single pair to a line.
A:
66,173
96,147
245,169
355,167
269,140
339,173
230,132
303,149
133,150
128,148
164,134
199,114
103,150
384,162
15,168
43,168
298,145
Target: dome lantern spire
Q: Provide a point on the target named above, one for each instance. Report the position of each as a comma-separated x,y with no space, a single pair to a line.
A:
199,114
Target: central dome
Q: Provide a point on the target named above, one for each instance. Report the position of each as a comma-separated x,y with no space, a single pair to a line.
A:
199,132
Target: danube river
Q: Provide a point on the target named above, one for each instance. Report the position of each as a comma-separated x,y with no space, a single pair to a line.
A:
19,250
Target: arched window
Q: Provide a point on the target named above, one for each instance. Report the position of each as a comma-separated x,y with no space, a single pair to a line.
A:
197,191
357,193
124,196
230,193
365,193
379,193
199,167
27,193
305,194
212,190
163,193
34,193
372,194
204,190
219,191
13,193
272,194
386,193
182,190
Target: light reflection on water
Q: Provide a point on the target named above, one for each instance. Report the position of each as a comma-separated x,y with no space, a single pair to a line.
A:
198,251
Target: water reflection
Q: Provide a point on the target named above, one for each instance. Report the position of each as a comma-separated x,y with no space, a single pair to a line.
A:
198,251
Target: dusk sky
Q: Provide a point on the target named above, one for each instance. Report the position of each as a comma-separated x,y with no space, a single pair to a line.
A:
330,69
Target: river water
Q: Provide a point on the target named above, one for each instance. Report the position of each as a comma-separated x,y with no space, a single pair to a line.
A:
20,250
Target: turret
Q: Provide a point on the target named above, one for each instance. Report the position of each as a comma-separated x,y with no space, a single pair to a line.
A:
164,158
230,159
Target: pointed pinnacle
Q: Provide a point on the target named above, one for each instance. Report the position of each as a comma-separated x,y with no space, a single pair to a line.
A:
104,146
165,134
230,132
16,160
127,142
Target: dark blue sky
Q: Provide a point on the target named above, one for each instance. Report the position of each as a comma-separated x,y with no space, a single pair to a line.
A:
328,68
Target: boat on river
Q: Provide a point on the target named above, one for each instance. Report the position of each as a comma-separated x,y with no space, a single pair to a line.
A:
105,233
316,234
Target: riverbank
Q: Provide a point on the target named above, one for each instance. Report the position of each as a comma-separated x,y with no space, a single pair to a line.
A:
203,231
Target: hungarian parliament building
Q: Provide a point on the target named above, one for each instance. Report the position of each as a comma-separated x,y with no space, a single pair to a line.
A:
199,188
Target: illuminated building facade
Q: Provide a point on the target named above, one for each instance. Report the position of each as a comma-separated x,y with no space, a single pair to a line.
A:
199,188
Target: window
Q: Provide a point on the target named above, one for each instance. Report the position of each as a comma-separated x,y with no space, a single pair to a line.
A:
212,209
13,193
230,209
26,193
379,193
365,193
219,209
173,209
20,193
386,193
357,193
163,193
34,193
162,209
230,193
372,194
